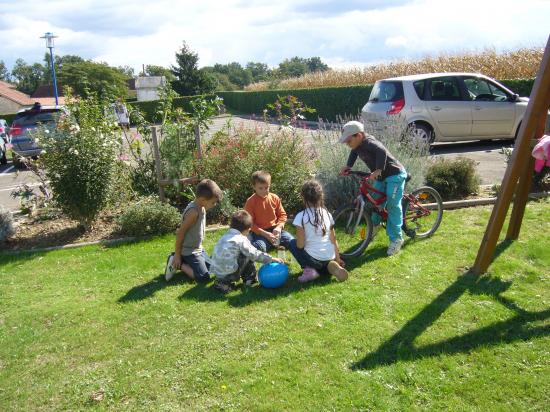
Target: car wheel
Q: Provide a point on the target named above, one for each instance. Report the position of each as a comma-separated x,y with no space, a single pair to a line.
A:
3,159
422,132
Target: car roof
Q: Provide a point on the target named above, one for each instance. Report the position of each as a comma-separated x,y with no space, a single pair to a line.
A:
423,76
42,107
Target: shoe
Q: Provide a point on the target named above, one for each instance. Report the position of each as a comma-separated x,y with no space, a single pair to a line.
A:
337,271
308,275
223,287
170,270
395,247
250,281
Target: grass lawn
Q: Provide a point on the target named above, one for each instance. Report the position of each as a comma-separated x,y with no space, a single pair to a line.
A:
99,328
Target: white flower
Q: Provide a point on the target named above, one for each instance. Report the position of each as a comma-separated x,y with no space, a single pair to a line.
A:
46,131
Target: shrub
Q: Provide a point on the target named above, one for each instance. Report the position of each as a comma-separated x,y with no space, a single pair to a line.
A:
6,224
148,216
453,179
233,154
332,156
79,158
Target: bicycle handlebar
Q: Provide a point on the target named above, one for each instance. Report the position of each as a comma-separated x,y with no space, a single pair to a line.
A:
356,173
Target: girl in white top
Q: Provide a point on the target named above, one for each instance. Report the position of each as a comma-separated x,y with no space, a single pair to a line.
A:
315,247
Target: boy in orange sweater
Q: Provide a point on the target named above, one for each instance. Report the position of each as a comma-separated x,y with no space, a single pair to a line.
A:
268,215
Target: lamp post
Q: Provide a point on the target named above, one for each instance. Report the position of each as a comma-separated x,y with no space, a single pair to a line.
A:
49,44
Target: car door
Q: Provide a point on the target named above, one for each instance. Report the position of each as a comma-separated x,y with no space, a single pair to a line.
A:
450,111
493,113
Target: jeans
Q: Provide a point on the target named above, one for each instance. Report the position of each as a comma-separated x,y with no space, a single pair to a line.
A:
393,187
304,259
261,243
199,265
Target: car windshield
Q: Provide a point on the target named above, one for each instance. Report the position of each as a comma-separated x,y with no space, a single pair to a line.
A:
386,91
32,118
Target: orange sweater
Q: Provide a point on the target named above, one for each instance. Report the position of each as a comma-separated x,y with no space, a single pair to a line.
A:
266,212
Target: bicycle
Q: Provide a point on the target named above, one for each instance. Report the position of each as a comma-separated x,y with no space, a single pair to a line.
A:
422,215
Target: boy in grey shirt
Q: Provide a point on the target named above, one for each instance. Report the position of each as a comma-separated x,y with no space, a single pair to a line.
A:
234,255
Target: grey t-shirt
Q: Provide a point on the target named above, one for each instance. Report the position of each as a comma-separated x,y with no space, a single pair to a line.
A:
376,156
192,241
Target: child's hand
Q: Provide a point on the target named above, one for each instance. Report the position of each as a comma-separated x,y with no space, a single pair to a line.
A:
345,171
177,261
340,261
278,260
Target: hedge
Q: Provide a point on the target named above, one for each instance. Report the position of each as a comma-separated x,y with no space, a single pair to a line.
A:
330,102
150,107
8,117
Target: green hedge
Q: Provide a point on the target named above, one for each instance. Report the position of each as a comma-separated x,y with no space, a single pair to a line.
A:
329,102
8,117
149,108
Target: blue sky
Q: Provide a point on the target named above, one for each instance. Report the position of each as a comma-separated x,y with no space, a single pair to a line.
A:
343,33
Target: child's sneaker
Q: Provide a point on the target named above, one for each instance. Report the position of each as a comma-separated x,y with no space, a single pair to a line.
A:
249,281
337,271
394,247
170,270
223,287
308,275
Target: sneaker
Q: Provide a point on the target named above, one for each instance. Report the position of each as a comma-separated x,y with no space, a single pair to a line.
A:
223,287
308,275
395,247
250,281
337,271
170,270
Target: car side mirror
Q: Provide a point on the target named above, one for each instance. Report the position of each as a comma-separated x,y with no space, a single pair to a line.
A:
514,97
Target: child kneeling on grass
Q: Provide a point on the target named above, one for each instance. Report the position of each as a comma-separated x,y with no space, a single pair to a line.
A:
189,256
234,255
315,247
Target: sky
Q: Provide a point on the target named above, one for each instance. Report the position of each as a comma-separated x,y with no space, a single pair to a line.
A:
344,33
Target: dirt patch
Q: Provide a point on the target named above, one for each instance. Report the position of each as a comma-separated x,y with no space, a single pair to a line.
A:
58,230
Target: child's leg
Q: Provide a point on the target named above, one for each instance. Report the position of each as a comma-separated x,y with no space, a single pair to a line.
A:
381,186
303,258
260,242
286,238
199,270
395,185
247,270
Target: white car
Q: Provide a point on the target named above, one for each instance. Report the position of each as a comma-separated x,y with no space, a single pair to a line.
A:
447,107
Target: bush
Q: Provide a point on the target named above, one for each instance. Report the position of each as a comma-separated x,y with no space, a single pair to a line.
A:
453,179
6,224
148,216
79,158
232,155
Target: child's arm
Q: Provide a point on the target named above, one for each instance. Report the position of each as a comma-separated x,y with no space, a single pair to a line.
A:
254,254
281,218
300,237
336,250
188,220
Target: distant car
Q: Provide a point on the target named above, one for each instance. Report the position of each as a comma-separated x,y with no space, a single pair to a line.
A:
25,122
4,139
447,107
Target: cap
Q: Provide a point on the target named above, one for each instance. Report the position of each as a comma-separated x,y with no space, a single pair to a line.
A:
351,128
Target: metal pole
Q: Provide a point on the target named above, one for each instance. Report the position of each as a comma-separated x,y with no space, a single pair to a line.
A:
54,79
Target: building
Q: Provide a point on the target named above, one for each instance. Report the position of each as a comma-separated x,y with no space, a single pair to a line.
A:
12,100
46,96
147,87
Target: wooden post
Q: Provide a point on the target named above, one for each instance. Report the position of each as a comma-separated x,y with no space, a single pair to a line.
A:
523,187
158,169
535,109
198,141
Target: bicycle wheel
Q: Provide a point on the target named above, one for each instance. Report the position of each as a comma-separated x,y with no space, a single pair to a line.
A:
422,217
353,230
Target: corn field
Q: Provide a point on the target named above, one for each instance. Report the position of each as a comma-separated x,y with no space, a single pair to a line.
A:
519,64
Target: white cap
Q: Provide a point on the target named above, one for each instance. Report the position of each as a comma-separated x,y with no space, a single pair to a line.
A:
351,128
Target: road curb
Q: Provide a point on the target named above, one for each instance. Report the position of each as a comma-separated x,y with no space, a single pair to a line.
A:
456,204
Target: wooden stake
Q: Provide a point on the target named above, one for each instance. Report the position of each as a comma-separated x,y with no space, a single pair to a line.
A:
158,169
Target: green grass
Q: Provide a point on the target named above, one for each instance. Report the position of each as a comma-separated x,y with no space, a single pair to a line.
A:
411,332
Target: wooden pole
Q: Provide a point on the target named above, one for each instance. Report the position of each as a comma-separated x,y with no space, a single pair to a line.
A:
158,169
198,141
535,110
523,188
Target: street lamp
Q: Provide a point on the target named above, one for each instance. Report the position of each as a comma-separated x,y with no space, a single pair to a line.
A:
49,44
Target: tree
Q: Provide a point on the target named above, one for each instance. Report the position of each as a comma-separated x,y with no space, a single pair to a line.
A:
189,79
152,70
220,80
298,66
4,73
126,71
87,77
315,64
259,71
27,77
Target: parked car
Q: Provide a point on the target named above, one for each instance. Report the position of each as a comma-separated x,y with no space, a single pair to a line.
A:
4,140
25,122
447,107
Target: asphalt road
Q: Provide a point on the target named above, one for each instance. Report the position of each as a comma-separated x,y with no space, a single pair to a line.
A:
491,164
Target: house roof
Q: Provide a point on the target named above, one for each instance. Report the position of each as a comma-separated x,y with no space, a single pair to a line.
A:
8,91
47,91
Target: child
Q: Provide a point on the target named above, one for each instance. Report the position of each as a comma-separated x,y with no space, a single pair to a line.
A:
234,255
189,255
315,247
268,215
388,174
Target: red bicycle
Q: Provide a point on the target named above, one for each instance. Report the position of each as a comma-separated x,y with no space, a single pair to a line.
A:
422,215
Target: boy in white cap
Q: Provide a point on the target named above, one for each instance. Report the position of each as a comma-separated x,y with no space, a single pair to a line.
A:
387,174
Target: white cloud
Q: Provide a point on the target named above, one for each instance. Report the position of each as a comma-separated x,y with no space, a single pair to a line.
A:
345,33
